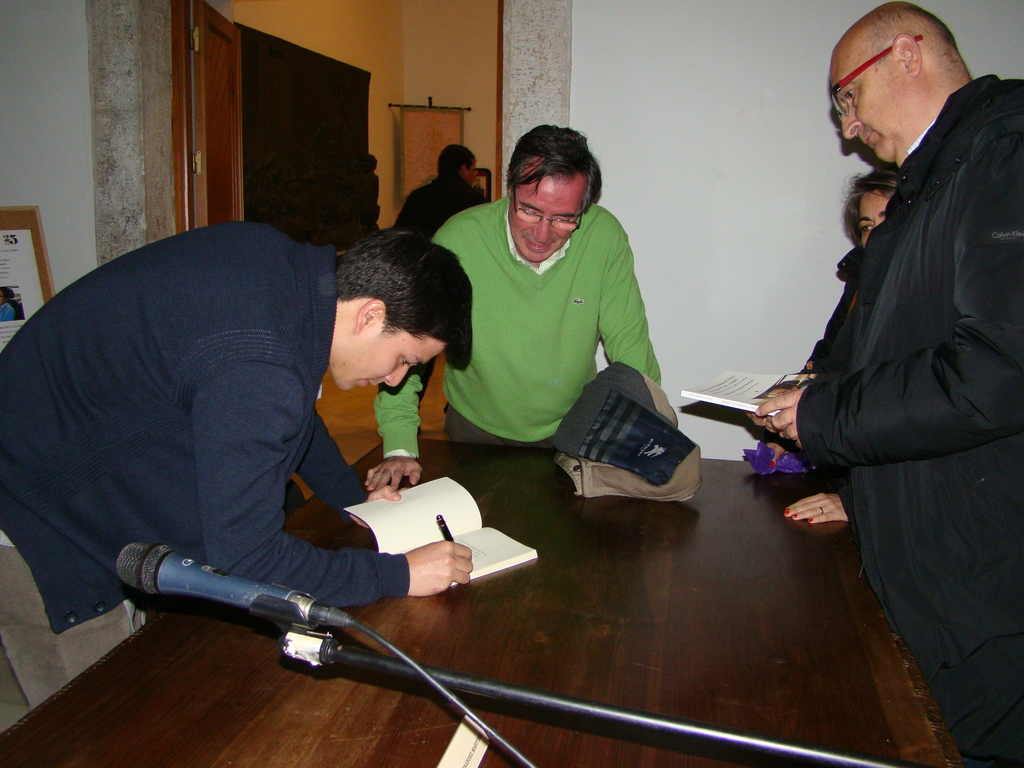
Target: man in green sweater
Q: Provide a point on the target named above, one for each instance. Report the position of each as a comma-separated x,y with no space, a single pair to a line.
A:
552,275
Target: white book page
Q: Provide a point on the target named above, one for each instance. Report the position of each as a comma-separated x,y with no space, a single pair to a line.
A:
745,390
494,551
412,522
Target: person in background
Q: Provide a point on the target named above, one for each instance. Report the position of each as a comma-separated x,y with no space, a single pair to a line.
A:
928,413
165,398
451,191
552,276
430,206
864,209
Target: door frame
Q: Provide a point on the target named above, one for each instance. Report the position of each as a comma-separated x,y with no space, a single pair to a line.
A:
191,21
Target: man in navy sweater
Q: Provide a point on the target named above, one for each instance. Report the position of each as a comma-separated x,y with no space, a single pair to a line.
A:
168,396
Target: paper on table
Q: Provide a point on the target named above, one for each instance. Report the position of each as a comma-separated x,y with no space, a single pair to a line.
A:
412,522
466,749
400,526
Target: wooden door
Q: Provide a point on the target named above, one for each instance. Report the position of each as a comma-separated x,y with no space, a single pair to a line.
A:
207,116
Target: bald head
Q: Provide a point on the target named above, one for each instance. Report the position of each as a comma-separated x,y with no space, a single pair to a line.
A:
900,95
881,26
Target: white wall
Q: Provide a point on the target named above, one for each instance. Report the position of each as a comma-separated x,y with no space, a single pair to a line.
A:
713,126
46,129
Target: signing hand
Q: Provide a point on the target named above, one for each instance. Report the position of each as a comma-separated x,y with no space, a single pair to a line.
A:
433,568
819,508
391,471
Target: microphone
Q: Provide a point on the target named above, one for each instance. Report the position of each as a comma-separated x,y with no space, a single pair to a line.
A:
157,569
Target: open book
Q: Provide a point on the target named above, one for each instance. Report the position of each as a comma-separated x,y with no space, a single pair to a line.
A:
747,390
412,522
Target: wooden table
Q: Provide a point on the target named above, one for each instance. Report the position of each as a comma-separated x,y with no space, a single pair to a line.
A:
718,610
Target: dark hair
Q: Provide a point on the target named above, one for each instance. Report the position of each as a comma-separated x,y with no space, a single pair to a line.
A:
551,151
880,180
7,293
425,291
452,158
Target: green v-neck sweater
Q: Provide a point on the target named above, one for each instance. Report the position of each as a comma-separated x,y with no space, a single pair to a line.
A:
535,336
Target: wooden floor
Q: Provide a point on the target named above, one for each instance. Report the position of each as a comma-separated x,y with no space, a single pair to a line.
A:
348,415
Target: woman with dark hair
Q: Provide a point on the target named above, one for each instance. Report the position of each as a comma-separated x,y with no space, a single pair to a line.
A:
864,209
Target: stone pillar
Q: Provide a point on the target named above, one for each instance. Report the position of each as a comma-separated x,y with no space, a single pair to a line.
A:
157,132
130,76
537,68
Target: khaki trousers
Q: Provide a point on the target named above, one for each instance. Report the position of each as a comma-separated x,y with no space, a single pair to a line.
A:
461,430
44,662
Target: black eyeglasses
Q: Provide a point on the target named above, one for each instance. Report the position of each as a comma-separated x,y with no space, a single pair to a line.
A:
562,224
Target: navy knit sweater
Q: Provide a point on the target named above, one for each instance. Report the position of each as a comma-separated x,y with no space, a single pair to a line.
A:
167,397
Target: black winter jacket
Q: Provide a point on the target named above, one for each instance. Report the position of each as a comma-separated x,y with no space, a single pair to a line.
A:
827,348
930,415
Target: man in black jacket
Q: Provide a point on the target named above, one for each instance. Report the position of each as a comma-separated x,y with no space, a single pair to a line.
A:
431,205
929,414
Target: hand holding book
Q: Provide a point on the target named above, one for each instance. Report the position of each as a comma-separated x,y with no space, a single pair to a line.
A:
779,414
747,391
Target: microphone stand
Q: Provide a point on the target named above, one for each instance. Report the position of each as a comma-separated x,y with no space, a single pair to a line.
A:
727,744
299,617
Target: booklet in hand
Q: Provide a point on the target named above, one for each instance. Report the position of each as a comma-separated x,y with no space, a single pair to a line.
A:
746,391
400,526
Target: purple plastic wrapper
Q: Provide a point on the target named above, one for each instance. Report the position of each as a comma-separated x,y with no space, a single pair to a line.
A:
760,460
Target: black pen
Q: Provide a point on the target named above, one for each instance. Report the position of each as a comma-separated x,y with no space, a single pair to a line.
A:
444,528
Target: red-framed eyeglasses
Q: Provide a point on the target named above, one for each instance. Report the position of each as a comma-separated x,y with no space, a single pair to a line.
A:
841,101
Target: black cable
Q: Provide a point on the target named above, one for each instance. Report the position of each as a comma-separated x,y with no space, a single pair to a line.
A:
335,617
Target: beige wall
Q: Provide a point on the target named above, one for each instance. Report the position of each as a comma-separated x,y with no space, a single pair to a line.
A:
364,33
412,49
451,54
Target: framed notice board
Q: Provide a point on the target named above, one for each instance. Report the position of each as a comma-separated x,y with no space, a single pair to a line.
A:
25,281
